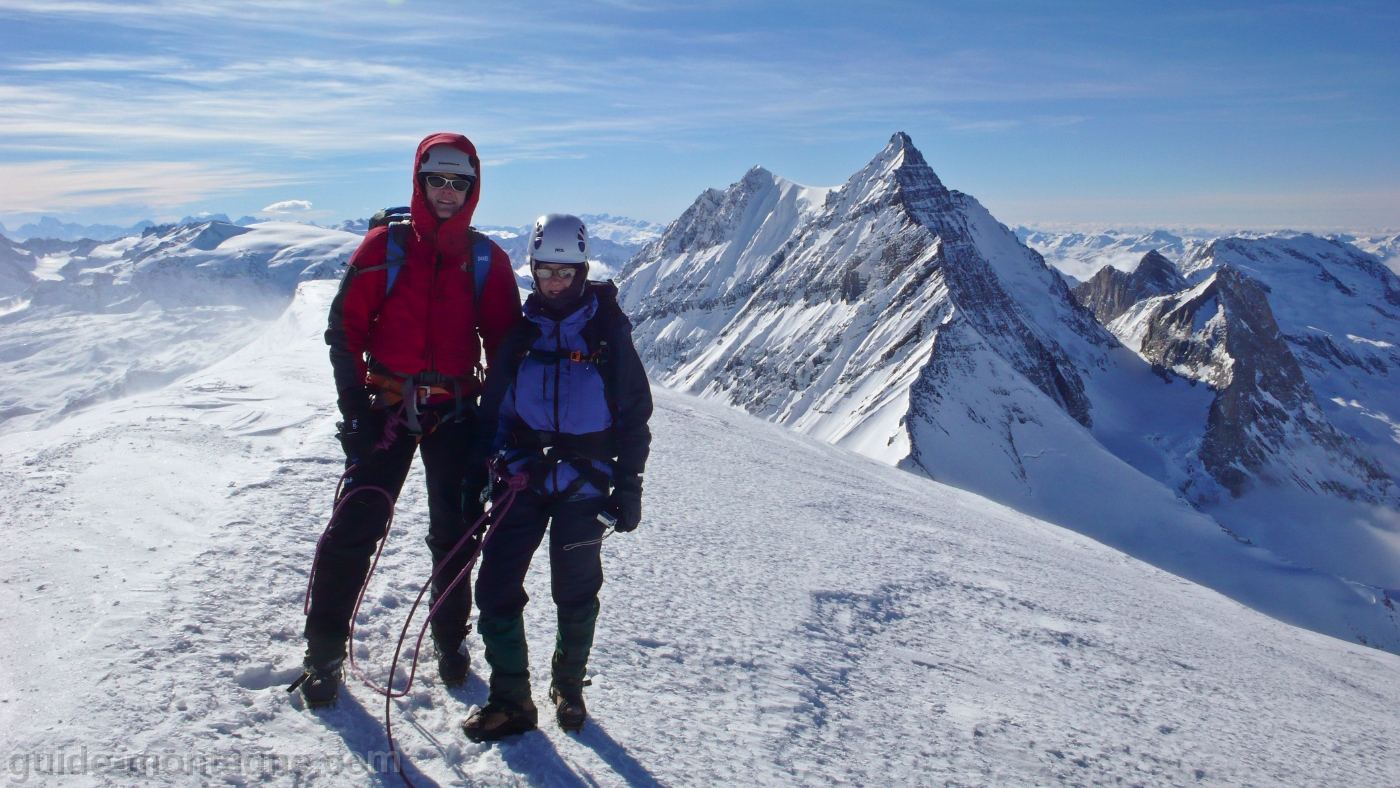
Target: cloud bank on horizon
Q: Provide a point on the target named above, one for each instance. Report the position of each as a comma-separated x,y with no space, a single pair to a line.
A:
1211,114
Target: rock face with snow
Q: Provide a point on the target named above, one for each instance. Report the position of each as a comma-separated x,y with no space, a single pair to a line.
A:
16,268
898,318
1338,309
1265,422
1111,292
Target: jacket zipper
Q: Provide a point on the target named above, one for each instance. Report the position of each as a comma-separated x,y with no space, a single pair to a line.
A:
428,315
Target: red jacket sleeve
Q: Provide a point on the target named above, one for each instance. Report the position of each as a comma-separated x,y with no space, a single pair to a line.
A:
499,308
347,329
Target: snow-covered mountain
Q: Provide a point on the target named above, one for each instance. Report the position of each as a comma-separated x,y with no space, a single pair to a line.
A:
83,322
1080,255
1384,247
1297,336
621,229
789,613
356,226
897,318
49,227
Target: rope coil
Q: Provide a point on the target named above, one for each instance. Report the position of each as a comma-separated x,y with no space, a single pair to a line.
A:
495,514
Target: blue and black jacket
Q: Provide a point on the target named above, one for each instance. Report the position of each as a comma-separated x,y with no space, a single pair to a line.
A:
569,398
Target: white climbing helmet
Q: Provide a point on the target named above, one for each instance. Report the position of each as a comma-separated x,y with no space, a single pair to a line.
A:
558,238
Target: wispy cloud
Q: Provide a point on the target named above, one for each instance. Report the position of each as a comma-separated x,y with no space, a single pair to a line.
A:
986,125
108,63
65,186
295,86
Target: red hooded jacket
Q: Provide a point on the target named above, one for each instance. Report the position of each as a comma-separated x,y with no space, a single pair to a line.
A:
431,320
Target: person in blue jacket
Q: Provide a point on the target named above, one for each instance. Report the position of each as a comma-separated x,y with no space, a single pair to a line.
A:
571,402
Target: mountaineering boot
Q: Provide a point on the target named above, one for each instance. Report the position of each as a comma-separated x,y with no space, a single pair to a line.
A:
320,684
509,709
453,664
569,664
569,710
325,657
501,718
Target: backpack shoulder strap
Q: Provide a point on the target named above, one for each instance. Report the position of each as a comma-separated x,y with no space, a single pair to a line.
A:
395,251
482,251
596,333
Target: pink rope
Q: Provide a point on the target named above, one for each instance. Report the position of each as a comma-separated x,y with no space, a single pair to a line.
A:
495,514
515,484
335,513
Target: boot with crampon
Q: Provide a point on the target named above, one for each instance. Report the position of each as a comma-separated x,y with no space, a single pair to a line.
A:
320,684
454,664
569,709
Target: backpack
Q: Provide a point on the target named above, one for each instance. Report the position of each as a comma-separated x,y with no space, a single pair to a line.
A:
396,249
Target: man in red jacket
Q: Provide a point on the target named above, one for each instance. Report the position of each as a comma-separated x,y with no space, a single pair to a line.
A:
405,332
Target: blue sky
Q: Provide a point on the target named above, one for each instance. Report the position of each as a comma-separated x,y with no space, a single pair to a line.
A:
1212,114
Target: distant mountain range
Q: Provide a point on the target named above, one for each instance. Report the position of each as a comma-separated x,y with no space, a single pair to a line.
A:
87,321
1079,255
614,238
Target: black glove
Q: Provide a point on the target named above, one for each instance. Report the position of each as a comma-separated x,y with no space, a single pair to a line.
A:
360,433
477,489
625,504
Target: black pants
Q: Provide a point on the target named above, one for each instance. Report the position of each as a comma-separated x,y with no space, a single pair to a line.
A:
345,555
576,575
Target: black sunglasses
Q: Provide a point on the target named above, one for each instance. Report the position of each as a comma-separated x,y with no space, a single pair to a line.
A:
457,184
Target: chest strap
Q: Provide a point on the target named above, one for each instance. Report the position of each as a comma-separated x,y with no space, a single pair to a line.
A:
551,356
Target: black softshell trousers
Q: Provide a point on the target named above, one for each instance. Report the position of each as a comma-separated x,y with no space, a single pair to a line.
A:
350,543
576,575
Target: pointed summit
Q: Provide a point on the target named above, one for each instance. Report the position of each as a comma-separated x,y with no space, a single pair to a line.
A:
898,174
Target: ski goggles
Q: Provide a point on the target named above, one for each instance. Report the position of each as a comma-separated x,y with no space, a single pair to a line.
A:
457,184
562,274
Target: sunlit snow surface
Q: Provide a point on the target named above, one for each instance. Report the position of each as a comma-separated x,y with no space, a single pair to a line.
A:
137,313
789,613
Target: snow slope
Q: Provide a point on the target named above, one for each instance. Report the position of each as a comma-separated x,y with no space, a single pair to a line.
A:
789,613
98,321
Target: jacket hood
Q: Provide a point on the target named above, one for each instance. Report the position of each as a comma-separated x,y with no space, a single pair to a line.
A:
448,236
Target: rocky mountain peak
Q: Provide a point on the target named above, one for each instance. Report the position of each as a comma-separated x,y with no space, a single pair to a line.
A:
1111,292
1265,415
1158,274
898,174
